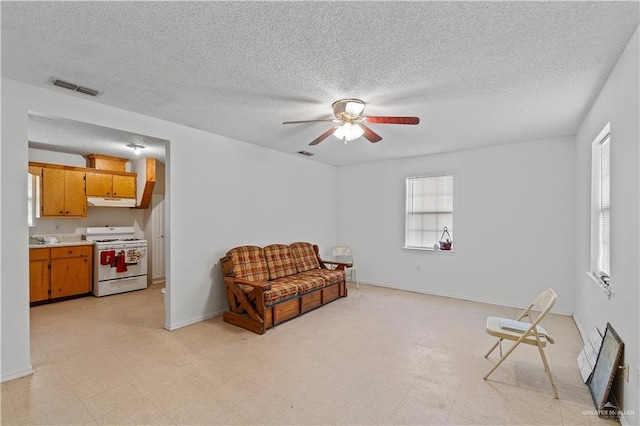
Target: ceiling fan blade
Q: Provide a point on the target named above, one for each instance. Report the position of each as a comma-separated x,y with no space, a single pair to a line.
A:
391,120
323,136
310,121
372,136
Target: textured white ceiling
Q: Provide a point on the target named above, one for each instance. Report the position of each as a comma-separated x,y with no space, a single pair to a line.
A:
74,137
476,73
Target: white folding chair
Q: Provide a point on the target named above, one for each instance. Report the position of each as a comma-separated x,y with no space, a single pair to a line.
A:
530,333
344,254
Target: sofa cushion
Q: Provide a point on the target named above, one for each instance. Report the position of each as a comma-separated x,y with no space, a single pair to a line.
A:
281,289
279,261
308,283
304,256
330,276
249,263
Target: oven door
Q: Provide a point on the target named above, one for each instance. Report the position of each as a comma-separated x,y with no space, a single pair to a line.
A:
120,285
108,259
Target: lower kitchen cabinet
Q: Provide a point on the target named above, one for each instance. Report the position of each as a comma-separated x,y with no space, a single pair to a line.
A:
39,259
68,272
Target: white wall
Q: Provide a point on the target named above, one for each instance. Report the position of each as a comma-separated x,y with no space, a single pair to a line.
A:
14,311
617,103
513,223
220,193
53,157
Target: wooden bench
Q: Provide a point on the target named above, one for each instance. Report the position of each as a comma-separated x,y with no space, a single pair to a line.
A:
270,285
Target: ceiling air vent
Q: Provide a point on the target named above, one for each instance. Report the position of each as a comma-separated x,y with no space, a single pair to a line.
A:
74,87
308,154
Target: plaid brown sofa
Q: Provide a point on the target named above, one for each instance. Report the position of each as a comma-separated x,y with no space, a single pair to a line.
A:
270,285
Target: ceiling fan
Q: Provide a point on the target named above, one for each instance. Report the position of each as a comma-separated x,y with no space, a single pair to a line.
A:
350,123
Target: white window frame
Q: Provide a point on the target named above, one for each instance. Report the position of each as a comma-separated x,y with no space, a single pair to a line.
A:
601,209
33,199
441,213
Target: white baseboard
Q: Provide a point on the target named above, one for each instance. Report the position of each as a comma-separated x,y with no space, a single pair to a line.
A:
191,321
455,296
16,375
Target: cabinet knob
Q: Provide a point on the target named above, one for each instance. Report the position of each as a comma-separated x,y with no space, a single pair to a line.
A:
67,213
70,251
61,212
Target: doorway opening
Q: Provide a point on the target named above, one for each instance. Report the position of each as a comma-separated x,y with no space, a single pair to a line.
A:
72,145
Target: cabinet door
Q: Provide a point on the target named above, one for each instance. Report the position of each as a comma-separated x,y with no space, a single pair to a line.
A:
38,274
75,200
98,184
71,269
52,192
124,186
63,193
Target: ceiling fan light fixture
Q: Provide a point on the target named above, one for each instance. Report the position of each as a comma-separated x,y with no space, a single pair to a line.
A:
348,132
348,109
136,147
350,119
354,109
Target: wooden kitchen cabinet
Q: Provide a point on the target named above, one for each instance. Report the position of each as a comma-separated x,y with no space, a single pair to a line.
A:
110,185
59,272
39,259
71,269
63,193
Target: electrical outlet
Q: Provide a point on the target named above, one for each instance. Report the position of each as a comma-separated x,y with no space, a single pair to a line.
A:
418,268
57,227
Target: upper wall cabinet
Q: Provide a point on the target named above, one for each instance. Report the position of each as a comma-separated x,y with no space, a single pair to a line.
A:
63,193
101,184
64,189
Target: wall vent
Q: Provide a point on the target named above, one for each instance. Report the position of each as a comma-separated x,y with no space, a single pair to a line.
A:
308,154
74,87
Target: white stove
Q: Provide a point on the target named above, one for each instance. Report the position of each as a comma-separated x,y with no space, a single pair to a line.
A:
120,260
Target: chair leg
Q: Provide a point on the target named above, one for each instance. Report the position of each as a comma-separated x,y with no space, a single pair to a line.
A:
354,271
549,374
493,348
515,345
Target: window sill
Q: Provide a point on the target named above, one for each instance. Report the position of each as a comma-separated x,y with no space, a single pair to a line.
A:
428,250
606,289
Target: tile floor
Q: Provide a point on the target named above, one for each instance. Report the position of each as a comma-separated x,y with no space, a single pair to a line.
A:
380,356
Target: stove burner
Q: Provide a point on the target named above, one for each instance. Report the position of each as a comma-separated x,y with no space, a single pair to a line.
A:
130,239
105,241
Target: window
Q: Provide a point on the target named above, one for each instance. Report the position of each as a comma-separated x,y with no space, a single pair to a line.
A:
33,198
429,208
601,207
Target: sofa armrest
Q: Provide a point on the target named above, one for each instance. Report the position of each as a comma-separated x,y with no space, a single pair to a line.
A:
339,265
256,284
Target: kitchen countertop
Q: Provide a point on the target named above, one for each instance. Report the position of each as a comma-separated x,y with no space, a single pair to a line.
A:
62,240
64,244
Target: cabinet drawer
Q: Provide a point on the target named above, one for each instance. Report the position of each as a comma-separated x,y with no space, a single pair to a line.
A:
38,254
71,251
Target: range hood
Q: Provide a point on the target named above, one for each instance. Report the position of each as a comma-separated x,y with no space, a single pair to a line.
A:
110,202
